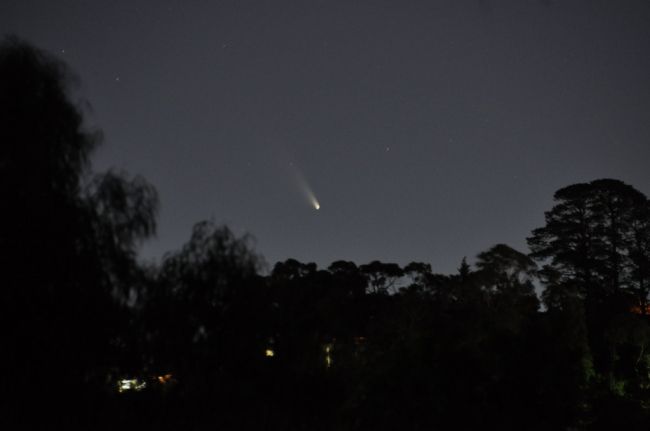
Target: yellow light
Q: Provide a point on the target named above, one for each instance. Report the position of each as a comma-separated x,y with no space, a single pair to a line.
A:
165,379
328,356
269,353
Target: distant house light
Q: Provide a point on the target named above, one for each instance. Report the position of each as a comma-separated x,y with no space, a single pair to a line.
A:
328,355
269,353
638,309
164,379
125,385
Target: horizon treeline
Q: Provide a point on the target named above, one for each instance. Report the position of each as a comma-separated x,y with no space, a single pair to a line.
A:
376,346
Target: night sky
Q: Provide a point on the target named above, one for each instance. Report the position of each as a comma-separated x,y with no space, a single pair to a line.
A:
426,130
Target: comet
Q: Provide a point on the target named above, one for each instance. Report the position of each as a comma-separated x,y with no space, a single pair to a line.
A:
306,190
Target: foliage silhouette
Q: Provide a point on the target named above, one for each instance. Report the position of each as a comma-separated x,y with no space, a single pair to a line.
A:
67,249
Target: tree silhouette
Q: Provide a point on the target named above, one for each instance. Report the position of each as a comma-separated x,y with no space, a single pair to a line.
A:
381,276
594,267
588,237
64,246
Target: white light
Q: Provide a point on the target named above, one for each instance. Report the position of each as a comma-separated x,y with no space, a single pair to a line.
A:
130,385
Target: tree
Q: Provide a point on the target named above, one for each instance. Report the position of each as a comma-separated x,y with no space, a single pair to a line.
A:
419,273
503,263
507,275
381,276
589,238
594,246
348,278
124,213
195,289
638,266
567,237
66,239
